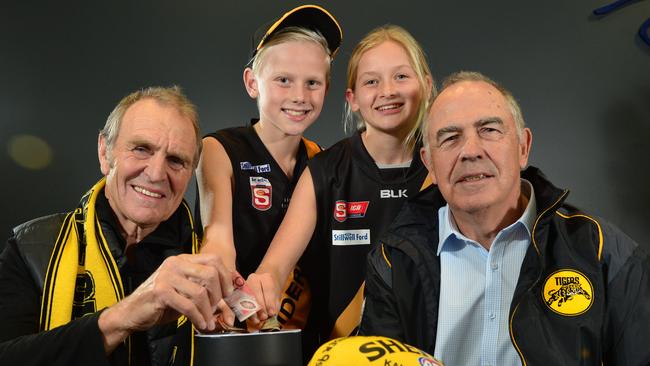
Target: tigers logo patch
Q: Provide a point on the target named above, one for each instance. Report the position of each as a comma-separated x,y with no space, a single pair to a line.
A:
568,292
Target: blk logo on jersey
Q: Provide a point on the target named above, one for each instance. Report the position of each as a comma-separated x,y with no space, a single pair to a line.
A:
344,210
568,292
261,193
393,193
264,168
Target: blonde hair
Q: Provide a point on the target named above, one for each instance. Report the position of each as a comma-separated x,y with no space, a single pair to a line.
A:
354,120
167,96
291,34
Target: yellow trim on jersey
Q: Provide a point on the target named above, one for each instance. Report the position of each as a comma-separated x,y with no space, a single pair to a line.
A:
311,147
514,342
427,182
383,253
350,317
295,301
600,231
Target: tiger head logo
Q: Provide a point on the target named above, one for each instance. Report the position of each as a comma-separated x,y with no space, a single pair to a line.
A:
568,292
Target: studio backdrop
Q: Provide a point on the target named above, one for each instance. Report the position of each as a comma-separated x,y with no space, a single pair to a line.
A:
583,82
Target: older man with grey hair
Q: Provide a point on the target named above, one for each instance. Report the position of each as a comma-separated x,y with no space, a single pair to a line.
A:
491,266
115,281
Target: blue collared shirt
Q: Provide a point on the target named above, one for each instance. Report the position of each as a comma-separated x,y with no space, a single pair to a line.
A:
476,289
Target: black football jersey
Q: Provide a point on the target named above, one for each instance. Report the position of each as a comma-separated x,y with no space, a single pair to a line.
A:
356,202
261,192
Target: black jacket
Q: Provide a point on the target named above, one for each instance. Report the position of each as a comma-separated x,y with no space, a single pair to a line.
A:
403,285
23,264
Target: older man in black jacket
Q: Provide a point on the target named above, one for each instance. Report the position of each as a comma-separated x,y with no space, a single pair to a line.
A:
114,281
492,267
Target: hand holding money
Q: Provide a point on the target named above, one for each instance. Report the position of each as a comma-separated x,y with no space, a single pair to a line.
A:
244,305
188,285
242,302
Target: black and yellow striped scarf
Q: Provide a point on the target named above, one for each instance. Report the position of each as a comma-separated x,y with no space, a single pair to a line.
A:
82,276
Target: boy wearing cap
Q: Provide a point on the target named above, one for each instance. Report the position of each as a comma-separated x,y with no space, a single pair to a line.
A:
246,175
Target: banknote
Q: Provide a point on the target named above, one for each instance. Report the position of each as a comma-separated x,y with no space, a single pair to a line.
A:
271,325
242,302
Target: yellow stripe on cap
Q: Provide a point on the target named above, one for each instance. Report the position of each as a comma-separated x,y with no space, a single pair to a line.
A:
279,22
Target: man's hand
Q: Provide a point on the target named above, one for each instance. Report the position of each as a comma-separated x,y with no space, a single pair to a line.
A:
190,285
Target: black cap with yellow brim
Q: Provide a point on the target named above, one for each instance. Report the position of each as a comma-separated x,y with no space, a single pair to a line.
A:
311,17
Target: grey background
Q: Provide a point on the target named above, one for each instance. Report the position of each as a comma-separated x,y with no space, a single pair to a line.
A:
583,83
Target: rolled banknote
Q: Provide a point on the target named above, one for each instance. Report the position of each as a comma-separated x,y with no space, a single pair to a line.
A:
242,302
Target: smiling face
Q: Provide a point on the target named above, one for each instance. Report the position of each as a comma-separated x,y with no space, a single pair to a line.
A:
475,151
387,90
150,164
290,86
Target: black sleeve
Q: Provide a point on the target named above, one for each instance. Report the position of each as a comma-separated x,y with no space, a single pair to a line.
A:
627,326
380,312
76,343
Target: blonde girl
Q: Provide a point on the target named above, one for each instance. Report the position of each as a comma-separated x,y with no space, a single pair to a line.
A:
351,192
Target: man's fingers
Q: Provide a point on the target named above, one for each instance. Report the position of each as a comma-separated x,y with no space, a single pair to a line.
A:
227,315
186,306
226,280
208,271
191,285
238,280
199,297
203,280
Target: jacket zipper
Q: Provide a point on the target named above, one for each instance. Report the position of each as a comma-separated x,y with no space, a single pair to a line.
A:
539,275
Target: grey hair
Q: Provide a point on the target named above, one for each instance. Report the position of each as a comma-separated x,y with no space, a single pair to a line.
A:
168,96
461,76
